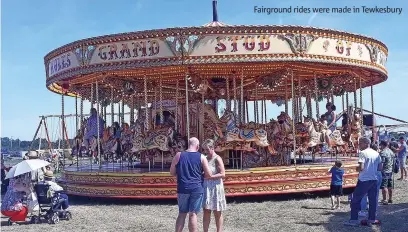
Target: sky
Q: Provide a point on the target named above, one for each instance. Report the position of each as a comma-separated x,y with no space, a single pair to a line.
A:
31,29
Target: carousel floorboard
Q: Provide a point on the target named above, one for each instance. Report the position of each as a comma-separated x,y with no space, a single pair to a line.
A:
122,180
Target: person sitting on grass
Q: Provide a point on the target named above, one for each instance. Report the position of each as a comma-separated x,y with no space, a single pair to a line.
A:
336,186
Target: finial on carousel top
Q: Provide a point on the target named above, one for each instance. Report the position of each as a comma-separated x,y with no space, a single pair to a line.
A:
215,22
215,13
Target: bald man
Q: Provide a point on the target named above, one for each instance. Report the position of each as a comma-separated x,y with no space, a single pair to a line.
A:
190,167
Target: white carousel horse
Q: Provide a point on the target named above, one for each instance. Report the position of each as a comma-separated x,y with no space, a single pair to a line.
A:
355,129
315,136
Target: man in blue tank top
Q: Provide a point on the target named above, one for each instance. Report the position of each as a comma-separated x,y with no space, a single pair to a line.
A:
190,167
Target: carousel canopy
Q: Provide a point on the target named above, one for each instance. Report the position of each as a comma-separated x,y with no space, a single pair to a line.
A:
218,59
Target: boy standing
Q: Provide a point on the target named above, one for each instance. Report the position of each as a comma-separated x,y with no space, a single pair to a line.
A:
336,186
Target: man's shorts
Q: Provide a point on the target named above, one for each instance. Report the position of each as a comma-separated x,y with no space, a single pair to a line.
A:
403,161
190,203
387,181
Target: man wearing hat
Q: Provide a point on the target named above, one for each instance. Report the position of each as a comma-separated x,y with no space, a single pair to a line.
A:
48,179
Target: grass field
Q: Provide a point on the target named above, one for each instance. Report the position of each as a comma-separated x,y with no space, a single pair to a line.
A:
304,212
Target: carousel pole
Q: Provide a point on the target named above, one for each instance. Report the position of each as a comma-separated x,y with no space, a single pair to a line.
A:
361,107
92,99
98,129
228,105
202,117
347,103
293,116
342,101
265,113
355,94
161,112
262,112
246,110
300,100
155,106
241,91
63,126
81,112
122,118
308,104
256,104
145,102
187,106
105,115
286,95
242,121
76,114
176,113
234,83
372,113
92,95
332,96
119,112
316,96
132,110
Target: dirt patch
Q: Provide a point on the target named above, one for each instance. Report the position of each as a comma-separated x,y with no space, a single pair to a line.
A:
306,212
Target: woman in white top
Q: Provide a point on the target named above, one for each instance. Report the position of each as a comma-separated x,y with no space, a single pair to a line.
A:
214,196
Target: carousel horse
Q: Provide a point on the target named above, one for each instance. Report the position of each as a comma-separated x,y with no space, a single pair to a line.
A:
282,133
112,146
212,124
249,133
355,129
126,139
78,149
316,137
161,139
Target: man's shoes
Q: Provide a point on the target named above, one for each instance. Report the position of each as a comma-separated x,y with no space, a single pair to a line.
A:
362,214
375,222
389,201
352,223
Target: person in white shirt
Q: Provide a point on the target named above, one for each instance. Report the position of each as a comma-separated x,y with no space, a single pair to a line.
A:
369,163
48,179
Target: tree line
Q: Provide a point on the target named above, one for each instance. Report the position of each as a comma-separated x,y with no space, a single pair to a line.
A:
8,144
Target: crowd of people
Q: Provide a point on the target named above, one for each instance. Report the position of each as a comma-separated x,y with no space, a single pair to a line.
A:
376,166
20,198
200,183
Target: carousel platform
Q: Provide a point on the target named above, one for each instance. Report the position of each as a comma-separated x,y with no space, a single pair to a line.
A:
139,182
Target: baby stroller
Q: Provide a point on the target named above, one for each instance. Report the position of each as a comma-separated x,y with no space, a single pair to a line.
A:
51,205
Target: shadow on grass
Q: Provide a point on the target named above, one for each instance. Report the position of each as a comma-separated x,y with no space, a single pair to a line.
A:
393,219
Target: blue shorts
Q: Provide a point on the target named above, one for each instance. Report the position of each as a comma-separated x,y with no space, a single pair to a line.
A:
190,203
403,161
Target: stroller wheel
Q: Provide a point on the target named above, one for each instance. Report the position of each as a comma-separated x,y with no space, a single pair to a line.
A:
35,220
9,222
68,215
54,219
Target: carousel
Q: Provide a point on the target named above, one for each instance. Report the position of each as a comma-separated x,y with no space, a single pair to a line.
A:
150,91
